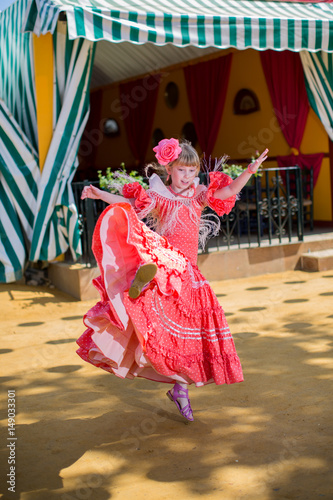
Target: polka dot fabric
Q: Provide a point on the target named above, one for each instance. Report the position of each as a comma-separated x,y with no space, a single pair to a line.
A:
176,330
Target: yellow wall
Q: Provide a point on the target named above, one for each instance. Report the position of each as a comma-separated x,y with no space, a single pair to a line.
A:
239,135
43,60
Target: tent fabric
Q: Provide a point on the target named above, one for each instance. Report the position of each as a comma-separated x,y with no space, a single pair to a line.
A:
17,87
56,222
241,24
19,169
38,215
19,177
318,71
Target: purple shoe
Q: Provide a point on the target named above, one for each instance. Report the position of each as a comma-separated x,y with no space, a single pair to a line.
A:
186,412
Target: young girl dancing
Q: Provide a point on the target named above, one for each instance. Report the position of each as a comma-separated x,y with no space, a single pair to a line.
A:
158,317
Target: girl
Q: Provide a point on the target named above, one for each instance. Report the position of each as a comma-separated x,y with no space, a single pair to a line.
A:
158,317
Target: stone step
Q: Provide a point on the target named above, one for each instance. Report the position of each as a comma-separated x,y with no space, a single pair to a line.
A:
321,260
74,279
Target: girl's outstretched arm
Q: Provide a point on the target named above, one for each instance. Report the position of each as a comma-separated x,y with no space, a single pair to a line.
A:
98,194
237,184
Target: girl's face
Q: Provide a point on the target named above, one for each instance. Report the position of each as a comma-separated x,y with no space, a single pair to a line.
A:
182,177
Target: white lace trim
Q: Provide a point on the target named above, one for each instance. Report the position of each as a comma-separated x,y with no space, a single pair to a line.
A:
164,221
195,284
156,184
182,332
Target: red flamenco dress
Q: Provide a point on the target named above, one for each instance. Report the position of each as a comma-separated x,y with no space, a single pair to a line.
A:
176,330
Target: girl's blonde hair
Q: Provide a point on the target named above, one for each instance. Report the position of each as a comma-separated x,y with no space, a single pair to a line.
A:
188,157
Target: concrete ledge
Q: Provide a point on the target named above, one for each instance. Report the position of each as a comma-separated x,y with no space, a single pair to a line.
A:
74,279
241,263
317,261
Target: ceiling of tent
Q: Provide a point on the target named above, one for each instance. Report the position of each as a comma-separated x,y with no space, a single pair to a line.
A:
115,62
137,37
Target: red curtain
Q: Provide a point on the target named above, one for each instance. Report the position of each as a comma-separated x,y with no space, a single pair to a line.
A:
138,99
92,136
285,81
303,161
207,84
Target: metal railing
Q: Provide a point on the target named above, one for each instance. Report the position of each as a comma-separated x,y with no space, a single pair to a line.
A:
89,211
269,209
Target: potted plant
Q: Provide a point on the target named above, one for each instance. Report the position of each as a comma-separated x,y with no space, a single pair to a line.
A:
235,170
114,180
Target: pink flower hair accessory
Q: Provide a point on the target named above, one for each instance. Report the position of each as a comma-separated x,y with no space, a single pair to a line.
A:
167,151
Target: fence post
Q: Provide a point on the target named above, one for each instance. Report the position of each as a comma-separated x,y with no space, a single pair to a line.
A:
299,195
90,226
289,207
269,207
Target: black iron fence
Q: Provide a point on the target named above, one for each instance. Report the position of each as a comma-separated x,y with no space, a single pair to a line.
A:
89,211
269,209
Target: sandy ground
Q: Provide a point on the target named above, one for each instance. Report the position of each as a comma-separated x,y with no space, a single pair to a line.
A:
84,434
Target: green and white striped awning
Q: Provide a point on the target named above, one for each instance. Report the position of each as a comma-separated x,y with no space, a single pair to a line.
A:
17,86
38,216
318,72
209,23
19,176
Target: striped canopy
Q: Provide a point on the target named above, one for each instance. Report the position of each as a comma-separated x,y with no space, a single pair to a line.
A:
229,23
19,176
38,216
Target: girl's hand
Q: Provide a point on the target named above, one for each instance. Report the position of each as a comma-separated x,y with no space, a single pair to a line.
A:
91,192
253,167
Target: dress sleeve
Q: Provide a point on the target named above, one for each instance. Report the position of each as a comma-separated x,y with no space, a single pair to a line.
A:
218,180
143,202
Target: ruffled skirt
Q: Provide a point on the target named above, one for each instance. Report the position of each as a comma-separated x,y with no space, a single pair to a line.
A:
175,331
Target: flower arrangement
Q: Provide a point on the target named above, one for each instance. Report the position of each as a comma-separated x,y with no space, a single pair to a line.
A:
167,150
113,181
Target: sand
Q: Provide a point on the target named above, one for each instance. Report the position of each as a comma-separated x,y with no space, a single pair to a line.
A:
85,434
